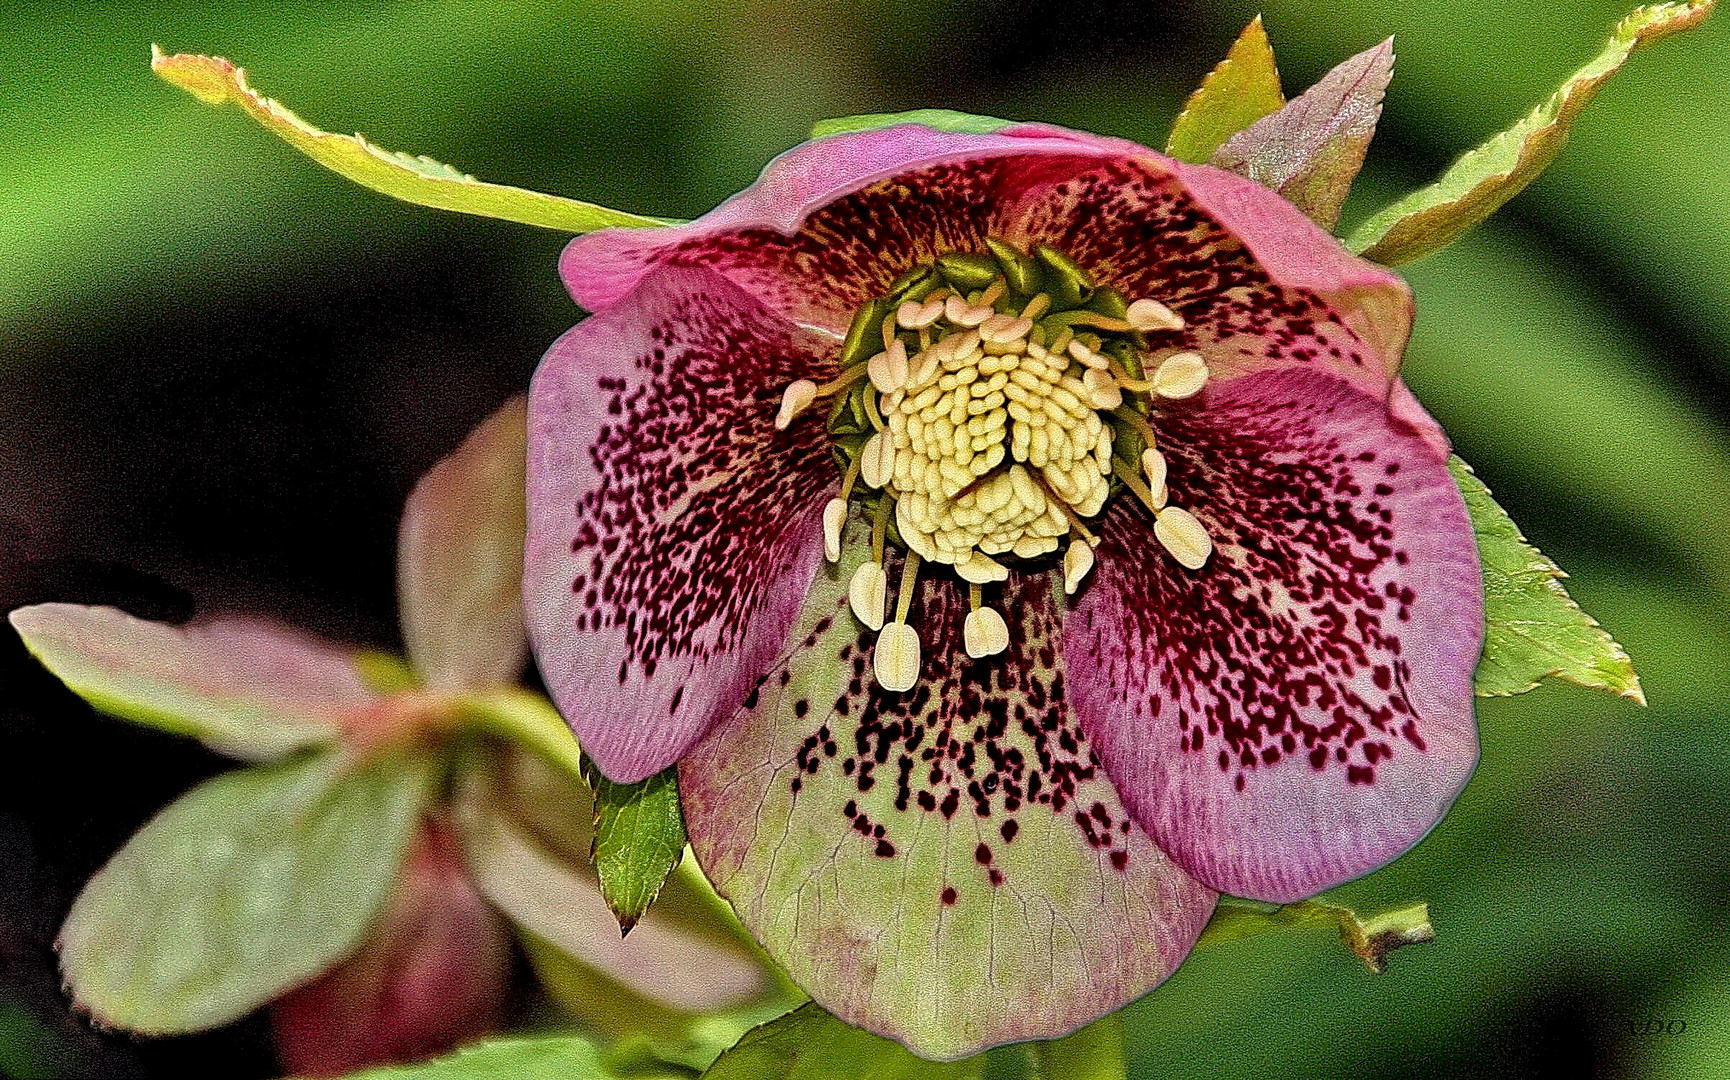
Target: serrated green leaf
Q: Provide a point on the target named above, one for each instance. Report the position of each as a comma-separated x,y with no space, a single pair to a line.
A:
941,119
248,689
1534,630
245,887
1485,178
810,1044
555,1057
1371,938
420,180
1242,89
639,839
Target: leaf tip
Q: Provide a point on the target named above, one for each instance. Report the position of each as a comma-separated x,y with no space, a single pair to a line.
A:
211,79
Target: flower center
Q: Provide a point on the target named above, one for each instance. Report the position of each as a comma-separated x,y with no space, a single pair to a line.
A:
990,403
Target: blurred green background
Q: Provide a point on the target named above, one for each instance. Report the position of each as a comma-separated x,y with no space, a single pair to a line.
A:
223,367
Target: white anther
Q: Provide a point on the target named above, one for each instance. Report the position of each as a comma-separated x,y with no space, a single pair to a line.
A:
1181,376
1077,561
917,316
877,461
1102,390
1087,356
834,516
1002,329
981,569
868,593
984,633
896,657
1153,467
1183,536
794,400
1150,314
888,369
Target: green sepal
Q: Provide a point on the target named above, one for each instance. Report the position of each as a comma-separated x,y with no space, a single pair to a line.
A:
810,1044
1241,90
415,179
247,886
1371,938
639,839
940,119
1533,629
1483,179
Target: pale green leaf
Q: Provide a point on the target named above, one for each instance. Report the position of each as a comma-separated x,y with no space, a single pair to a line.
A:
245,887
1534,630
553,1057
893,902
1485,178
941,119
420,180
1371,938
1242,89
252,690
639,839
810,1044
459,570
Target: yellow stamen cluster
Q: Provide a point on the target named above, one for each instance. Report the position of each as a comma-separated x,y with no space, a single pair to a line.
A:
993,423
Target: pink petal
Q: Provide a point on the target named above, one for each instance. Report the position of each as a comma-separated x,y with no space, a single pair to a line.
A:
433,974
247,688
832,222
1310,151
460,560
1299,711
1260,284
673,532
947,866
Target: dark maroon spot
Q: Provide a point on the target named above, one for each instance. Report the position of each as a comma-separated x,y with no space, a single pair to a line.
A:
982,855
1119,860
948,895
1009,829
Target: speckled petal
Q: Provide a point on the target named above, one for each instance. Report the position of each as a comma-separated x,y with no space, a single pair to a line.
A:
832,222
1299,711
947,866
673,532
1259,284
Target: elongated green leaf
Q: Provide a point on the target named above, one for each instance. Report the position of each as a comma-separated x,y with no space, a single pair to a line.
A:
248,689
810,1044
639,839
1534,630
248,885
420,180
1370,938
941,119
1485,178
459,569
1241,90
555,1057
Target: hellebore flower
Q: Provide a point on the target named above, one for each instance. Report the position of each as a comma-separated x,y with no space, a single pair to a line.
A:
1185,599
358,879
